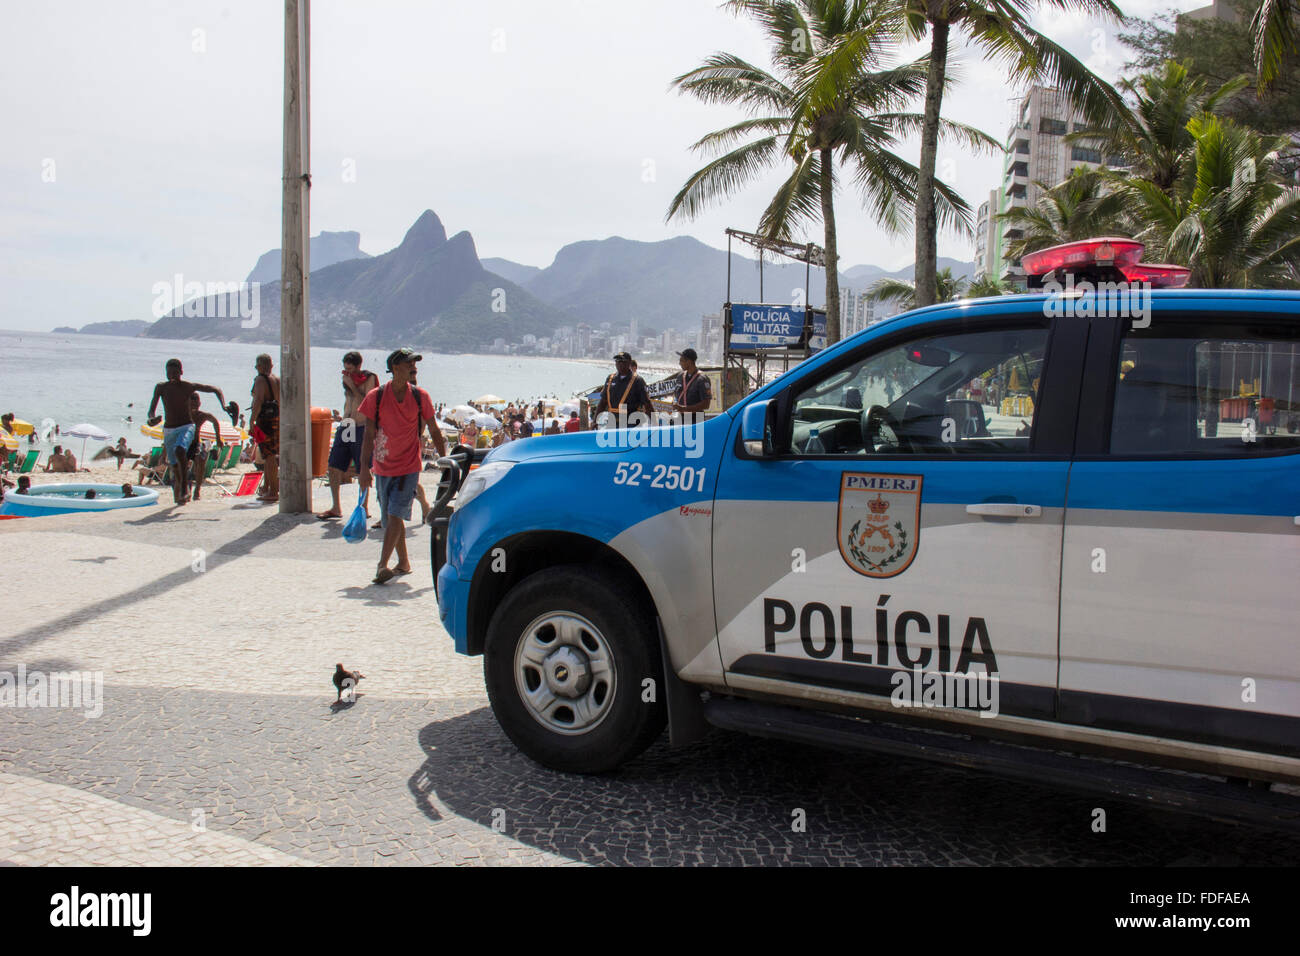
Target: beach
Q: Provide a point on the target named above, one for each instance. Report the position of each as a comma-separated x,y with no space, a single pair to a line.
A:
115,377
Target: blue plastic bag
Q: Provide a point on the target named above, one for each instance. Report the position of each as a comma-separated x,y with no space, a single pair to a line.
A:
355,529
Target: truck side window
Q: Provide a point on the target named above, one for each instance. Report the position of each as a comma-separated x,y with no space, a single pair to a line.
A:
1207,388
971,393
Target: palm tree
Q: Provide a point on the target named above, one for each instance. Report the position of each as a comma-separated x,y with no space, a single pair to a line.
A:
1001,28
834,99
986,286
1153,137
1085,204
904,293
1274,27
1230,218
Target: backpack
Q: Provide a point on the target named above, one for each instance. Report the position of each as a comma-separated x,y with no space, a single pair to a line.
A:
419,407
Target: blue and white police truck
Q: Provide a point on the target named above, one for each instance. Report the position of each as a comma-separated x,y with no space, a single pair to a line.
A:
1064,522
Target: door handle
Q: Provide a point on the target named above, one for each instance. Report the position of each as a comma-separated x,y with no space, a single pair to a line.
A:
1005,510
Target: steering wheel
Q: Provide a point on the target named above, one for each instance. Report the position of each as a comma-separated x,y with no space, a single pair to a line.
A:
871,421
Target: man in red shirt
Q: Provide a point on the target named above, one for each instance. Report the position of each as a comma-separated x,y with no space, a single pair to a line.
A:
573,425
394,416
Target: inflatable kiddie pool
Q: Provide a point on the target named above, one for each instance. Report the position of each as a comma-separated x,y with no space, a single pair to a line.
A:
61,499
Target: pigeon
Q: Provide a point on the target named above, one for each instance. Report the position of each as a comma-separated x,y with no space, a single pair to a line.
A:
340,675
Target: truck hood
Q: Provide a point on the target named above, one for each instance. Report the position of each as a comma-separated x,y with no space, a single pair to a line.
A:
600,442
549,446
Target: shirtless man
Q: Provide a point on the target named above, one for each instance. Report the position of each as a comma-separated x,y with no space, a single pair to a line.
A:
265,416
178,424
346,453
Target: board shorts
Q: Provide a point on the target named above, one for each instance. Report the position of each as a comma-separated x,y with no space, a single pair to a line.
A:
174,438
347,454
269,443
396,492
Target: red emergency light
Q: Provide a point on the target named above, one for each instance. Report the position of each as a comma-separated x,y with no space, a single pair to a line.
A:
1106,251
1109,259
1156,275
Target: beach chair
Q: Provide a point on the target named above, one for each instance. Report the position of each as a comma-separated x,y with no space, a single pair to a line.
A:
29,463
248,484
232,456
209,468
155,456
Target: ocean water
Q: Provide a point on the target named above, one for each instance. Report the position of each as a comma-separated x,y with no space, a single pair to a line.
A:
103,379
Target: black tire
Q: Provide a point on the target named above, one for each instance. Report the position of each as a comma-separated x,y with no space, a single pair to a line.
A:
621,626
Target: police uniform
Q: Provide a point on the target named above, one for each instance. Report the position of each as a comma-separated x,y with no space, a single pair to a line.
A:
625,394
693,388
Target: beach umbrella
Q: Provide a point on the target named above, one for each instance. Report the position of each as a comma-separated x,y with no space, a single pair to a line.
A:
566,408
484,420
229,433
489,399
462,412
19,427
8,441
85,431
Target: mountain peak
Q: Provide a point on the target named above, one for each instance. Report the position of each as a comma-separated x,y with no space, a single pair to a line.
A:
426,233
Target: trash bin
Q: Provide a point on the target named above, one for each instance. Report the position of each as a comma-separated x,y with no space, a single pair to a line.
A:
321,420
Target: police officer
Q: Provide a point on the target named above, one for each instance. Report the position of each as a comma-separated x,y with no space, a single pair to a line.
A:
625,392
694,391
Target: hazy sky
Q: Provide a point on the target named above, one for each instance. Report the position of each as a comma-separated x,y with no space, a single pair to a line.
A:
143,139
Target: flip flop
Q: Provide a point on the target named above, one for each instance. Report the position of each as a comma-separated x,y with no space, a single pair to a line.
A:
329,517
400,571
384,576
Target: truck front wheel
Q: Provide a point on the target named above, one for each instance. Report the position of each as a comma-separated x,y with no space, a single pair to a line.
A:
573,670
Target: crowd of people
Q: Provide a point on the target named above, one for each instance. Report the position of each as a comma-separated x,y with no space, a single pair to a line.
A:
386,436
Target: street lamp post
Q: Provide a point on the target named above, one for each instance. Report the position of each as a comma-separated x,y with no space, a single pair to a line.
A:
295,346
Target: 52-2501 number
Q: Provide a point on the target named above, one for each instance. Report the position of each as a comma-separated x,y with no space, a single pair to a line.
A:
669,477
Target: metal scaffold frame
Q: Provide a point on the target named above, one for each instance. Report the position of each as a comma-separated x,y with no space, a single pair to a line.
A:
810,255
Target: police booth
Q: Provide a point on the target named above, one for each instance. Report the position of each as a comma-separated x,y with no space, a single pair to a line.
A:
761,340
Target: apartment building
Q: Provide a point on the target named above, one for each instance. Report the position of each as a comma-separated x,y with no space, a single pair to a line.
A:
1036,151
856,313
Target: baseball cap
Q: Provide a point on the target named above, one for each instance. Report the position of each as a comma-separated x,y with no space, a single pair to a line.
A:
623,357
688,354
402,355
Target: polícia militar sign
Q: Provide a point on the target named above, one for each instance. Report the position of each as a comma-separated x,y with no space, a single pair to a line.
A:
775,327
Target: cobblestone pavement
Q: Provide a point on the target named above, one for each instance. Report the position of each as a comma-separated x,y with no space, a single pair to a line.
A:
220,741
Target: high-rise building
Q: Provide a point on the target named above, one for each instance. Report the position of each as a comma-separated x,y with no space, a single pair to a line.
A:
857,312
988,235
1036,152
1218,10
710,348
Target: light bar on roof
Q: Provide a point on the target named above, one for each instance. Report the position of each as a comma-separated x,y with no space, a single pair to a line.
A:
1157,275
1105,251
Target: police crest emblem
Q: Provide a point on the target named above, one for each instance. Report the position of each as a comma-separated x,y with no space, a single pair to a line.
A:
879,522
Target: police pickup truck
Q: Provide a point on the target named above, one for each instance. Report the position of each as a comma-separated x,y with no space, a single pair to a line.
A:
1065,522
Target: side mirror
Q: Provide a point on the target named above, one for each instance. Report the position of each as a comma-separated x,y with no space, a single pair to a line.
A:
758,428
